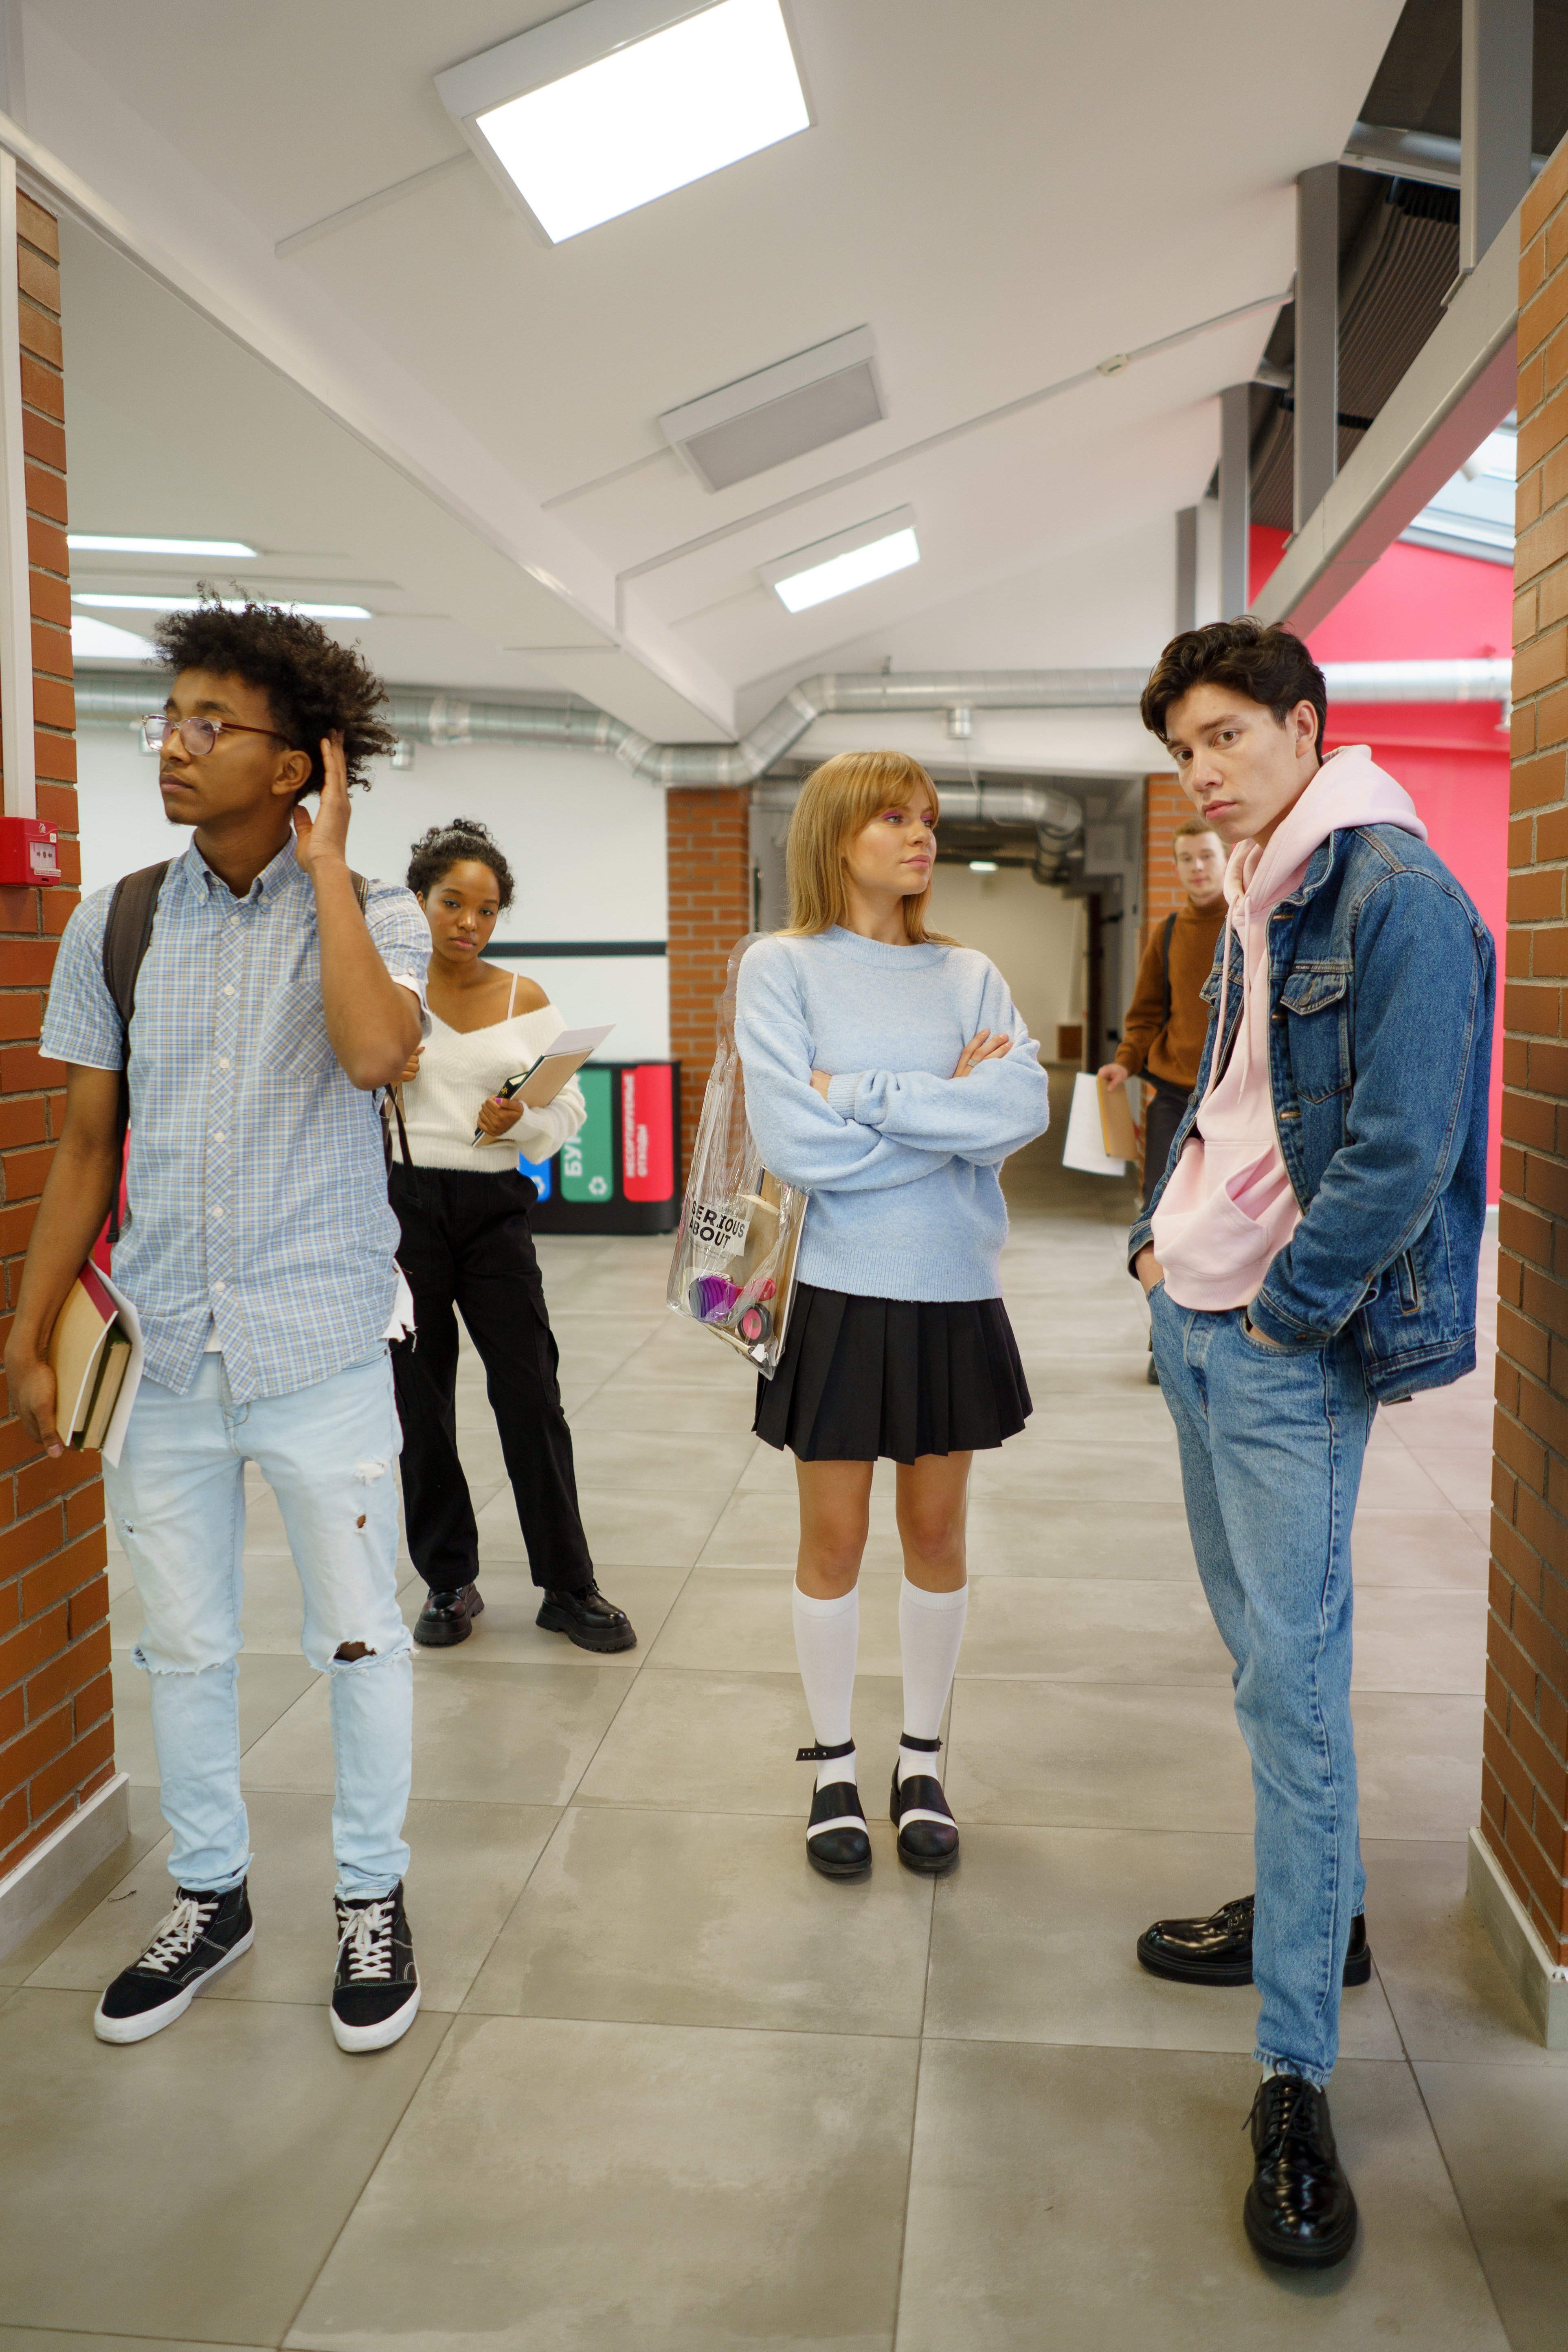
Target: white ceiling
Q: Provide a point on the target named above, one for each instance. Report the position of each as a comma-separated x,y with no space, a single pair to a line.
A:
457,425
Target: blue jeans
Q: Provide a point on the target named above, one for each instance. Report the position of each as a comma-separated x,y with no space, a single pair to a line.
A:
327,1453
1272,1441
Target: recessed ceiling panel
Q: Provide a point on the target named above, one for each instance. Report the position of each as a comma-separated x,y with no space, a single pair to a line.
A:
781,413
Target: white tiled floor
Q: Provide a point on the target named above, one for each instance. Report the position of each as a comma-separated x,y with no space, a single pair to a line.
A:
671,2090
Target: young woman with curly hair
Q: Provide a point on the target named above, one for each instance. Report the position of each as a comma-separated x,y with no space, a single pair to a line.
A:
462,1206
888,1076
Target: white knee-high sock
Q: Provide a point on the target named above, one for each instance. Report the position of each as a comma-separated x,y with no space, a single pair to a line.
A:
931,1628
826,1637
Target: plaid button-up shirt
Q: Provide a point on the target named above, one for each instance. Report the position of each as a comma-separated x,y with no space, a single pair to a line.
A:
256,1184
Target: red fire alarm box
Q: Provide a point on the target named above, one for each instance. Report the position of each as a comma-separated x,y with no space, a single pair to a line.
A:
29,852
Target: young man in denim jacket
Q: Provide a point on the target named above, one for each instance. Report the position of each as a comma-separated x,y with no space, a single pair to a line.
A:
1311,1254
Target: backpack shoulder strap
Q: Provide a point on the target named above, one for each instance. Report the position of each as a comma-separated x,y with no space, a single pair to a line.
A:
361,889
127,935
1170,926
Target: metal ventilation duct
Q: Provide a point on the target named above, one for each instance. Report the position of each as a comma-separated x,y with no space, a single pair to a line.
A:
781,413
103,700
1047,824
110,699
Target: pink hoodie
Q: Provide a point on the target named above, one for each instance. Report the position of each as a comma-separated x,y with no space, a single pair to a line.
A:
1228,1209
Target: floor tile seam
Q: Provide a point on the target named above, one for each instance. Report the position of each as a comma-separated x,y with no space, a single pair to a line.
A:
906,2039
1453,2183
394,2127
647,1666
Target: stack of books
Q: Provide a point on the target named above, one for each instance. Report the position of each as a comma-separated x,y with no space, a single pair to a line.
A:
90,1354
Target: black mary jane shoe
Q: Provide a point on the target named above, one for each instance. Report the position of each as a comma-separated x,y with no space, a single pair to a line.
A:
1300,2211
586,1618
447,1617
928,1845
1218,1951
837,1839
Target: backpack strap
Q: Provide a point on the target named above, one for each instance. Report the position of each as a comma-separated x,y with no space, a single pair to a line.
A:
1170,926
127,935
392,1095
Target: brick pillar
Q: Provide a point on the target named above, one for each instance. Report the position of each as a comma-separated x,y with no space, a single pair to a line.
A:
1524,1798
56,1732
709,861
1164,806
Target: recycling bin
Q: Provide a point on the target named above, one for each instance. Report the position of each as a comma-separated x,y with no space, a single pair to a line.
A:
621,1171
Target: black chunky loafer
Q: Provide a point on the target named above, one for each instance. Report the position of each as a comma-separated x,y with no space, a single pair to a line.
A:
1300,2211
447,1617
1218,1951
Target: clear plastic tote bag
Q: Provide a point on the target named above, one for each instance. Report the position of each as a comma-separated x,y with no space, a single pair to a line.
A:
734,1268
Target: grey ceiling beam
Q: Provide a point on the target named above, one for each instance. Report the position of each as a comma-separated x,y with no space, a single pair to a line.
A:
1234,497
1412,155
1496,82
1187,570
1317,336
1460,387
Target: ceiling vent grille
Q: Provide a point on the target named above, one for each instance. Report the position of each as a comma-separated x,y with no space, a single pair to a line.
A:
783,412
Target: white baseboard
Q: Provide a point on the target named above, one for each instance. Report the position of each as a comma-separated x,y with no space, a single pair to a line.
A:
1524,1957
52,1871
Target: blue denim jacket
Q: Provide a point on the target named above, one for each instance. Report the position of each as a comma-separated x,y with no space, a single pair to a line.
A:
1381,978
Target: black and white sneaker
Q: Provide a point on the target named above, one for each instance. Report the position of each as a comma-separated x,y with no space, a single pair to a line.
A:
198,1940
375,1992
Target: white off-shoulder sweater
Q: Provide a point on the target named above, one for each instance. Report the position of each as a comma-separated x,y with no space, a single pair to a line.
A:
459,1068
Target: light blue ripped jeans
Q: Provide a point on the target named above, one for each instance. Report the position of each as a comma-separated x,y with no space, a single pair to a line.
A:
1272,1441
327,1452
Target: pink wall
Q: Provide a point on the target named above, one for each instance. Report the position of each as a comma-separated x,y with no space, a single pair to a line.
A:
1418,604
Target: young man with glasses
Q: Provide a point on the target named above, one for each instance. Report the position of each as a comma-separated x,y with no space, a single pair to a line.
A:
275,995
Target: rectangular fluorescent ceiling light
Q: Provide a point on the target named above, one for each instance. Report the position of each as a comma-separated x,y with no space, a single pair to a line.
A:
95,542
229,603
98,641
779,413
851,559
619,101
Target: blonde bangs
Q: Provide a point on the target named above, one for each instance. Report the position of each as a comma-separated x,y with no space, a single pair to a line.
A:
836,804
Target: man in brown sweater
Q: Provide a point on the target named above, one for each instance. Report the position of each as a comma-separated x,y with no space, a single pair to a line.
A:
1167,1020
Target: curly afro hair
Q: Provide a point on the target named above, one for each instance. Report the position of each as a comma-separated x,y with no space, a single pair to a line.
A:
315,686
446,845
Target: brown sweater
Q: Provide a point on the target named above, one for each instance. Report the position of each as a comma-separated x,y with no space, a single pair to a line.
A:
1173,1049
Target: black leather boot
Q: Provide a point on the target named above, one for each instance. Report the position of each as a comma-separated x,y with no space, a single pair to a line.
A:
1218,1951
447,1617
586,1618
1298,2210
837,1841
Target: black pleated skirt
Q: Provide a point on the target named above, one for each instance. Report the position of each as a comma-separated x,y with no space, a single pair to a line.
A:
864,1377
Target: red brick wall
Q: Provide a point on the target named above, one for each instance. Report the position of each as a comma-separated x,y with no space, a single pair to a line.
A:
1525,1796
709,863
57,1733
1164,806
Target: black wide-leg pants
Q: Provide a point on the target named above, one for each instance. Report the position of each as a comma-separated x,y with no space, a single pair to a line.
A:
466,1246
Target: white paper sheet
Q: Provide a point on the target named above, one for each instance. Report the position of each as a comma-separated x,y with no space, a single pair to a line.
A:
119,1420
1084,1145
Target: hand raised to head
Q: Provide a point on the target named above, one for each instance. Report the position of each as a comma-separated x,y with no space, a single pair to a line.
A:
324,837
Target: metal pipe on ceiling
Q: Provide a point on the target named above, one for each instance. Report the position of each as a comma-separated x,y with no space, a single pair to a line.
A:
111,700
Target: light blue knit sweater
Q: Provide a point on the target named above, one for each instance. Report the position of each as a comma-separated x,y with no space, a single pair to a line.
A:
900,1160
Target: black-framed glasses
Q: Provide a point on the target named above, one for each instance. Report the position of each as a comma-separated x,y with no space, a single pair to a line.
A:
198,735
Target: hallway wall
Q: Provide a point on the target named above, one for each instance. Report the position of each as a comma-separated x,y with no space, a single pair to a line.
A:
56,1729
1524,1793
586,843
1032,933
